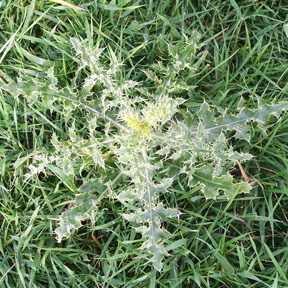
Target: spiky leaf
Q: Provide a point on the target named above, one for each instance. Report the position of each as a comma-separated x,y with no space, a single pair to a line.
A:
212,126
82,208
211,186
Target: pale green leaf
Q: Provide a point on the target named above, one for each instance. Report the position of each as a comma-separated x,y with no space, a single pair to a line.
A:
211,186
71,219
67,4
212,126
285,27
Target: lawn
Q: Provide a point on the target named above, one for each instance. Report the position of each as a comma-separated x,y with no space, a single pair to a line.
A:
143,143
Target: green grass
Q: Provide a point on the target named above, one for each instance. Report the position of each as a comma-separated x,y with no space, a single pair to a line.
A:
242,243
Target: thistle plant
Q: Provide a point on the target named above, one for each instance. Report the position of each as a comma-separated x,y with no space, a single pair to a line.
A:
145,133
